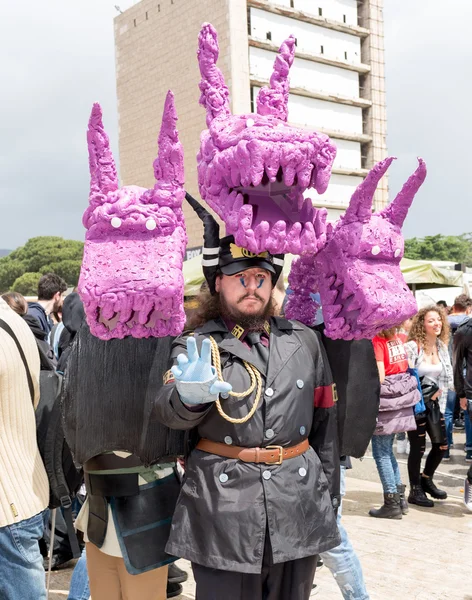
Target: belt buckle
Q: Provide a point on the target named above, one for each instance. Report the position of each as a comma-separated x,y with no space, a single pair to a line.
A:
280,458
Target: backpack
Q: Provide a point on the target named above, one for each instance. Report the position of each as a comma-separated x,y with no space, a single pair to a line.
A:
63,476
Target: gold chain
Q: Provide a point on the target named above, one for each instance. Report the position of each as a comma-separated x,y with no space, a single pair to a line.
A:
256,380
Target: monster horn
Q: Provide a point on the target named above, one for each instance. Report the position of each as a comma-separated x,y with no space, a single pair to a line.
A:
211,241
169,164
397,210
360,206
273,100
214,93
103,177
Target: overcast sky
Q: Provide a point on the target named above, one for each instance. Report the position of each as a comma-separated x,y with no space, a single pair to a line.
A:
58,58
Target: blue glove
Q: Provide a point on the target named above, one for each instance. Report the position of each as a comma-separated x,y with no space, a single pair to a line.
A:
196,379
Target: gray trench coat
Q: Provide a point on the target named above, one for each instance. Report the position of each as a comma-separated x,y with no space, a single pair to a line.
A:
226,506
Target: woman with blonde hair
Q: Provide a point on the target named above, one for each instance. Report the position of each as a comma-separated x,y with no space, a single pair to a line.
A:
428,352
398,395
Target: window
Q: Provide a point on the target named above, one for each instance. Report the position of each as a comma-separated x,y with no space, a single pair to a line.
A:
292,3
344,18
320,12
269,35
345,56
134,21
322,49
147,16
296,41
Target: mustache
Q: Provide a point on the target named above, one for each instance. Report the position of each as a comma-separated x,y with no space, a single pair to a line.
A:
248,295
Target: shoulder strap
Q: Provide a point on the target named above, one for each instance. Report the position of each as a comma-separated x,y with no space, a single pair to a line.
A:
9,330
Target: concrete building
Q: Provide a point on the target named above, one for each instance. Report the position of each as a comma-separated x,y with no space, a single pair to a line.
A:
337,80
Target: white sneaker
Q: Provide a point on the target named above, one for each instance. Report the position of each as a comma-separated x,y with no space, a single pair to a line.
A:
402,446
468,494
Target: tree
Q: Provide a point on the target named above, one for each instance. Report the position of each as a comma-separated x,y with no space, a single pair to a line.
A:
456,248
26,284
38,256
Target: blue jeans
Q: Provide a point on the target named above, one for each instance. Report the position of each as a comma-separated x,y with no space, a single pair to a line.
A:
468,431
79,584
387,466
449,415
343,563
22,574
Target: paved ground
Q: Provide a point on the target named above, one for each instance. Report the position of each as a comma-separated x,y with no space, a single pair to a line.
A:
425,556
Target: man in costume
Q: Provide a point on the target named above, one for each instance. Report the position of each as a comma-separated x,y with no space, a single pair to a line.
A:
262,484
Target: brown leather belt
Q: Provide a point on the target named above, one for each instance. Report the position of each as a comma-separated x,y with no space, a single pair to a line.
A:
270,455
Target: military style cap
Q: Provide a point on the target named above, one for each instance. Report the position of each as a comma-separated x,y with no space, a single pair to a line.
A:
224,256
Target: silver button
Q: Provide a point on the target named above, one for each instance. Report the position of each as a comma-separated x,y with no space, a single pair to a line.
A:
302,430
269,392
269,434
223,478
266,475
302,471
300,383
228,440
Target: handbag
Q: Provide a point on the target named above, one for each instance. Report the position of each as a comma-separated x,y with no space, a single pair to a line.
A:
429,387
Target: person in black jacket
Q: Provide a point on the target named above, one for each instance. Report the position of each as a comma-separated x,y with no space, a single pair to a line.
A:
261,487
462,364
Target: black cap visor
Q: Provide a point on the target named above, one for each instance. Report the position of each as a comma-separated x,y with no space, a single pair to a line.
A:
237,266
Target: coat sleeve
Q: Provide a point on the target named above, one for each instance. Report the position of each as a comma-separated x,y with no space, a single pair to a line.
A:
324,432
168,407
459,354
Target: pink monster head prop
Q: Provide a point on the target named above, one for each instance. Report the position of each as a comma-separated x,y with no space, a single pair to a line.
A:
131,280
253,169
358,271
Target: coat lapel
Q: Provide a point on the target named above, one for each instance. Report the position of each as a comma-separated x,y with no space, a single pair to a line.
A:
283,344
232,345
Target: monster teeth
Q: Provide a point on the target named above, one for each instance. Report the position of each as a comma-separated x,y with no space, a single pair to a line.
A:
261,232
289,175
293,239
304,174
232,221
257,173
272,165
276,239
308,239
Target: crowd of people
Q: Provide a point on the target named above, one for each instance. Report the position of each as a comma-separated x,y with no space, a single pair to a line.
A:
425,372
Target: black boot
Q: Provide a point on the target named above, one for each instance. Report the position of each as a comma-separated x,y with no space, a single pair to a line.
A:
176,575
430,488
403,502
390,509
418,497
174,590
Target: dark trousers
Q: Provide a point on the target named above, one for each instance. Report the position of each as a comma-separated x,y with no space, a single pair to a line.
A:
291,580
417,448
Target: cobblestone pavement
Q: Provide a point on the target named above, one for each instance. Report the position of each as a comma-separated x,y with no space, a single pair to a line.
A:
425,556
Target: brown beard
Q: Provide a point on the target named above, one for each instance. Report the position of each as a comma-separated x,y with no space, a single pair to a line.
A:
213,307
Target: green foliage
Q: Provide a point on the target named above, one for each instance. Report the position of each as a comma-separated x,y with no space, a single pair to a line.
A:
457,248
38,256
26,284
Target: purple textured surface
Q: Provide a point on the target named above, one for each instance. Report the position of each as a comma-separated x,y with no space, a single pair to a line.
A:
357,273
131,280
254,169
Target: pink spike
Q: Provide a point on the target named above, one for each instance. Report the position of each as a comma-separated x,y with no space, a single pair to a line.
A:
273,100
214,93
397,210
169,164
360,206
103,177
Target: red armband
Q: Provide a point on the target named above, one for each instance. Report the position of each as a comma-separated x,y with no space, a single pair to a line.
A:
325,396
